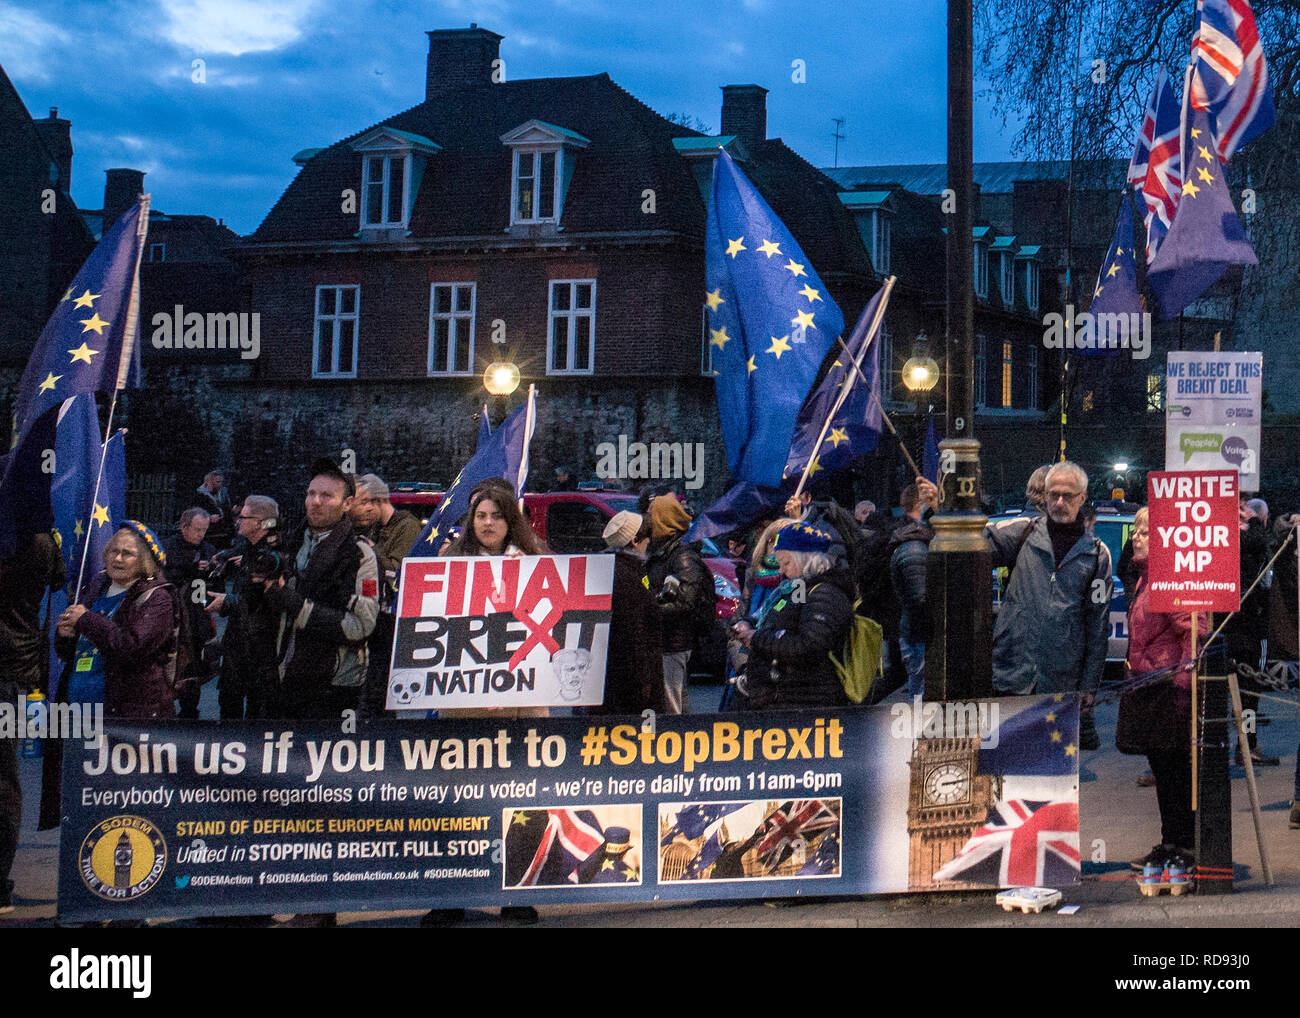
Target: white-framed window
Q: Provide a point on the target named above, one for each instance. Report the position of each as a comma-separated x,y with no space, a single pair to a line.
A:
1033,377
385,190
571,331
1006,372
535,185
1008,279
451,328
1031,284
981,271
880,235
334,342
981,372
158,252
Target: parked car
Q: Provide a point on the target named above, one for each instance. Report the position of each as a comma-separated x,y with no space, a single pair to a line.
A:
1113,528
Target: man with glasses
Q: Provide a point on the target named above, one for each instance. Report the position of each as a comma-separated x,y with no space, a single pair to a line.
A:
1052,629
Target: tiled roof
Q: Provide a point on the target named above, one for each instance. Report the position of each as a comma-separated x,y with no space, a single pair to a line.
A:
992,178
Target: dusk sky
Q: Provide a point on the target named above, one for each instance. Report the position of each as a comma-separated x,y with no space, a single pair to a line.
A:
284,76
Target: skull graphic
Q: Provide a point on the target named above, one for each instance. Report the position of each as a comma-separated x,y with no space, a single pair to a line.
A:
405,690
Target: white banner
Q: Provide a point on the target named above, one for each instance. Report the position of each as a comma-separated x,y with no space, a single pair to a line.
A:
1212,413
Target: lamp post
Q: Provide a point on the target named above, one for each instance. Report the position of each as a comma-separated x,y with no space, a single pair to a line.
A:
959,576
920,375
500,379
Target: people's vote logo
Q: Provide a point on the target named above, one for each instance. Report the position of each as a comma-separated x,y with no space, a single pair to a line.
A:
122,858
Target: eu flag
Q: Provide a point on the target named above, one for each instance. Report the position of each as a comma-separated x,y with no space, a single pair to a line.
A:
1041,739
503,454
90,343
484,429
847,397
1206,236
1116,289
930,452
771,324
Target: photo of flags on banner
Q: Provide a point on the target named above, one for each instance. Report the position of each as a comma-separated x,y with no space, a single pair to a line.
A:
1022,843
564,847
758,839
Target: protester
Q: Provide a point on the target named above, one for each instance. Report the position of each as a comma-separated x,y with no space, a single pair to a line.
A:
789,654
1155,708
1036,492
909,548
213,496
564,480
494,526
877,598
863,511
120,636
393,532
35,567
681,587
634,671
1245,631
1054,623
249,675
189,556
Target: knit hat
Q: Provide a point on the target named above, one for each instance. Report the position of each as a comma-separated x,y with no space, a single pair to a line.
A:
802,537
150,539
667,517
622,529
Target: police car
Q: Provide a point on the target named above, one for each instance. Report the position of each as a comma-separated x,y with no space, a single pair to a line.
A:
1114,528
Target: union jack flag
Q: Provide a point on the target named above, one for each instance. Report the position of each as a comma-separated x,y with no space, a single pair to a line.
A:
1137,167
1163,182
1021,843
538,855
801,820
1230,74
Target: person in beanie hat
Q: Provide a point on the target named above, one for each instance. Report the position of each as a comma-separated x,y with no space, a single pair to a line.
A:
622,529
789,654
634,670
679,583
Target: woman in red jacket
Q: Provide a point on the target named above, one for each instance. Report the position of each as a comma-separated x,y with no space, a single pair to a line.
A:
1155,709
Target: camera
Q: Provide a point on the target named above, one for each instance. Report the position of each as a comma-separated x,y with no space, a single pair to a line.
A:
219,564
672,590
266,563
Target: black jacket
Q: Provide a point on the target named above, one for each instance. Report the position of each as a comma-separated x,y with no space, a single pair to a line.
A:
634,667
326,613
672,557
909,548
789,660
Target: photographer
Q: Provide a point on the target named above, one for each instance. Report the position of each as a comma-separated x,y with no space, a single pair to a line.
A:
189,556
248,669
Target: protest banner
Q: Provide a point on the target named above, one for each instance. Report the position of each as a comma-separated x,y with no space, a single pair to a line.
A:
178,819
525,631
1212,413
1193,559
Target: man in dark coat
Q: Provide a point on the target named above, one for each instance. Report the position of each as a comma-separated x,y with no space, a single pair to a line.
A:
188,557
679,582
213,496
909,548
634,671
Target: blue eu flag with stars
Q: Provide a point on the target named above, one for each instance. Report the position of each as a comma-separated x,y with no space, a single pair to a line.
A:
771,323
90,343
1116,289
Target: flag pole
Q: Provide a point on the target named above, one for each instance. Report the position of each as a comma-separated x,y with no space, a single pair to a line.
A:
530,423
125,360
873,332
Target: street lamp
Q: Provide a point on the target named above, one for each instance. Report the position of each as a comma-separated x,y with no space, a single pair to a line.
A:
920,375
500,378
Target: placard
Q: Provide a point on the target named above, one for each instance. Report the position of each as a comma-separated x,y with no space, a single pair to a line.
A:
1193,559
493,631
1212,413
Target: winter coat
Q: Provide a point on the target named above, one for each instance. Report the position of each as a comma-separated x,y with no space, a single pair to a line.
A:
394,539
1282,636
670,556
789,656
328,610
910,546
1054,625
634,667
1156,716
136,643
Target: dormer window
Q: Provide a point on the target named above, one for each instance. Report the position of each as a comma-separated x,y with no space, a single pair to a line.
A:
981,262
1003,254
1030,258
542,161
873,211
392,164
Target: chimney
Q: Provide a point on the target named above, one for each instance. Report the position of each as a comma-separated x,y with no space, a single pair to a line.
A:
121,189
57,135
460,58
744,113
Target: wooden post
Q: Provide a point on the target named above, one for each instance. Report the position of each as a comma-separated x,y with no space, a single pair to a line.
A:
1244,744
1195,747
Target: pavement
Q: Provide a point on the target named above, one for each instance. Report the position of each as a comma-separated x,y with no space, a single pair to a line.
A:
1118,820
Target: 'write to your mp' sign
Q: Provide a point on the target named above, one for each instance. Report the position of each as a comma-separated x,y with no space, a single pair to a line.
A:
1193,557
525,631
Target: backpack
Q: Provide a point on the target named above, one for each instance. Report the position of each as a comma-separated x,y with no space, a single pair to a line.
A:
859,663
182,667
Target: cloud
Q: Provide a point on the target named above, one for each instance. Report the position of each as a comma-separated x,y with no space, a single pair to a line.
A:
235,26
29,40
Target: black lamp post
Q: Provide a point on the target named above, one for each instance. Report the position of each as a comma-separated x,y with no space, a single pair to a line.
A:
920,375
959,576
